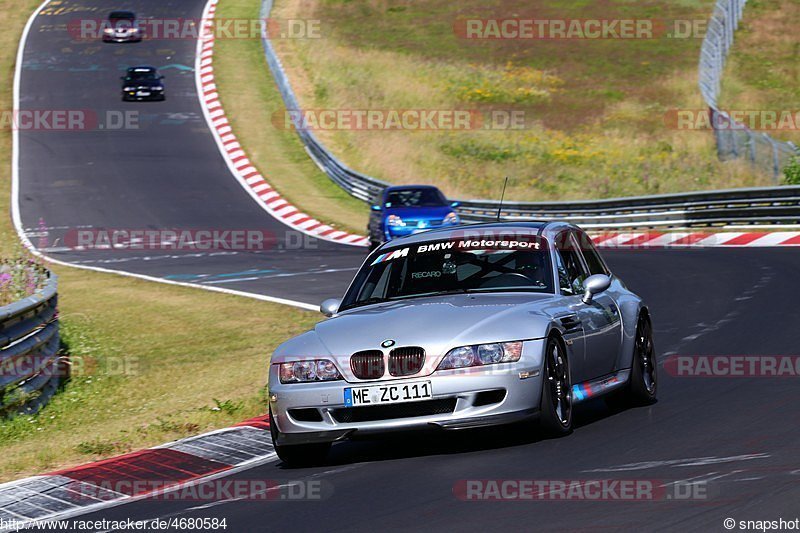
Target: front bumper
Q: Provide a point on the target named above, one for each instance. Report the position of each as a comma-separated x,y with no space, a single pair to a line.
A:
467,392
125,39
395,232
156,96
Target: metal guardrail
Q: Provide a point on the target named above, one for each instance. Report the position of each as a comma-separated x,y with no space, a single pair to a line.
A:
761,206
359,185
734,140
754,207
31,368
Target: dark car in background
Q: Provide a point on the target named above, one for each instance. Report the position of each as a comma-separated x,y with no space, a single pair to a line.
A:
142,83
404,210
122,27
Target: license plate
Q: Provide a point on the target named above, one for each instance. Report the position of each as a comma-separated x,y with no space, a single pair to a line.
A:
389,393
142,93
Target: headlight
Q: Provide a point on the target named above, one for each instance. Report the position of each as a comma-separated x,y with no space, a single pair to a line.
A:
158,88
481,354
308,371
451,218
395,221
129,89
108,31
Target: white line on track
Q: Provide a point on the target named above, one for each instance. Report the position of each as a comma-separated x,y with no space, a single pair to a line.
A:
283,275
678,463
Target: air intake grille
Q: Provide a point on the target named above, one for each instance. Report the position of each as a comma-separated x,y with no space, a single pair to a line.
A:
348,415
406,361
305,415
367,364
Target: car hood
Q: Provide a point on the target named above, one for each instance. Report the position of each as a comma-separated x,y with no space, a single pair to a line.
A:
437,324
418,213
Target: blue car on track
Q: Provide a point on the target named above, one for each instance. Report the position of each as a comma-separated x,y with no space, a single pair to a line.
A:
403,210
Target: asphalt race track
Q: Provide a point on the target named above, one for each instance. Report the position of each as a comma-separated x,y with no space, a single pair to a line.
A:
165,174
741,436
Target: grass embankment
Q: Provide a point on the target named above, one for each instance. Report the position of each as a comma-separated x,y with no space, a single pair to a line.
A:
152,362
596,108
763,68
251,99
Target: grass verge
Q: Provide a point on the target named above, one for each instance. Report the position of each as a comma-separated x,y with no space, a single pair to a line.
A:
764,65
152,362
250,98
596,110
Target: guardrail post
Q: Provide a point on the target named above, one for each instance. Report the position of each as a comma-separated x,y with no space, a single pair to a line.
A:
751,142
776,165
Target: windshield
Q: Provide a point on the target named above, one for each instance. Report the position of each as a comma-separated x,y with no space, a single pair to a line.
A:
121,18
415,198
453,266
143,74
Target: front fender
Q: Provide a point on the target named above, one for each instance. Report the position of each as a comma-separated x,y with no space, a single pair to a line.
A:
631,307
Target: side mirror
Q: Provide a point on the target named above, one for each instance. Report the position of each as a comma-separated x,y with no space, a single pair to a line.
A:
330,306
161,77
455,204
593,285
375,208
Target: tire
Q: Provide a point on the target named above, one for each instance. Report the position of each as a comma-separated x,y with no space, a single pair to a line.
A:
298,455
643,384
556,404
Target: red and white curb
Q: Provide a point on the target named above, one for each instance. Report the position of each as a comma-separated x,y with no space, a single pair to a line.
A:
655,239
238,162
146,473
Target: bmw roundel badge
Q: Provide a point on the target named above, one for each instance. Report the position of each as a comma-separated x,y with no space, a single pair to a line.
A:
388,343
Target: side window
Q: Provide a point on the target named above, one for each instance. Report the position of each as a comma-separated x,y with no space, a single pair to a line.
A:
571,272
590,254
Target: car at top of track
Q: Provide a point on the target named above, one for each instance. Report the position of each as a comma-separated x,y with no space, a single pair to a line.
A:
459,328
404,210
142,83
122,27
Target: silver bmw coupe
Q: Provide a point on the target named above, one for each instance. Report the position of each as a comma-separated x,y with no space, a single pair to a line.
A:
460,328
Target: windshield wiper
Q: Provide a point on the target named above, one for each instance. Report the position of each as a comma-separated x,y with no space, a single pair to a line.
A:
434,293
531,288
377,300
